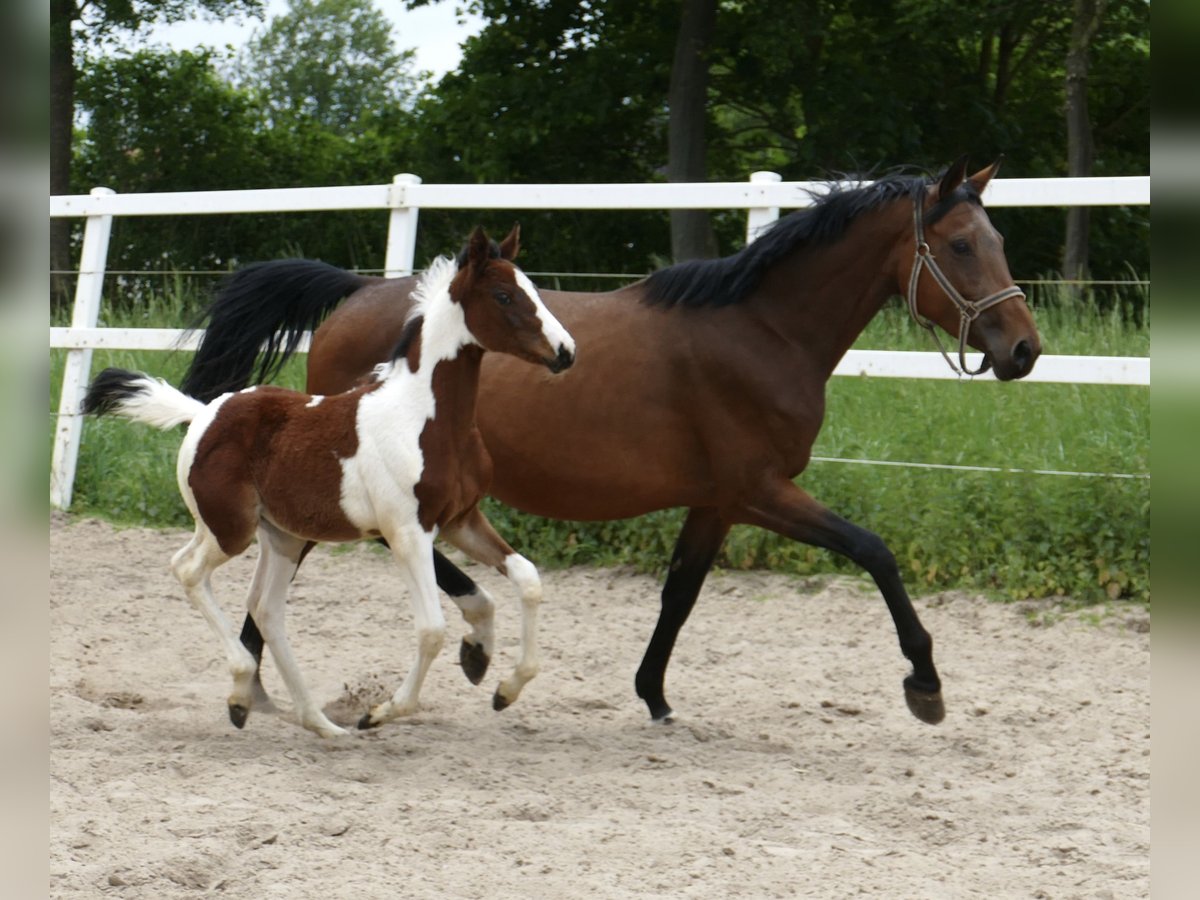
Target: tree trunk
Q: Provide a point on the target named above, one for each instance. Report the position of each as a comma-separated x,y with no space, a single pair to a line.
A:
691,230
62,116
1087,14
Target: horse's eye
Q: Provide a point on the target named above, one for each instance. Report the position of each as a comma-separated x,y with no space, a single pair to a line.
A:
503,297
961,247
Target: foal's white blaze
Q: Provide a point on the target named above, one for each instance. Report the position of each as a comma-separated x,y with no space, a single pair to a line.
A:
556,334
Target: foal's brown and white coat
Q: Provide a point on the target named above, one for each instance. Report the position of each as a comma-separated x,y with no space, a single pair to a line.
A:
399,458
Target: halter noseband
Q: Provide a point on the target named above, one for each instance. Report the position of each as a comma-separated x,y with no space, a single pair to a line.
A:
968,310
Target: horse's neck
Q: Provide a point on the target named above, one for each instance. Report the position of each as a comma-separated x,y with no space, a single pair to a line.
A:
447,362
823,297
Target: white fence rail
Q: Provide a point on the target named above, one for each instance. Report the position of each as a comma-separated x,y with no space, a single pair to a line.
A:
762,197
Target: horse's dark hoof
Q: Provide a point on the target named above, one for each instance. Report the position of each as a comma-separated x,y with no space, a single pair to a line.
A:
498,702
365,722
925,705
665,717
474,661
238,714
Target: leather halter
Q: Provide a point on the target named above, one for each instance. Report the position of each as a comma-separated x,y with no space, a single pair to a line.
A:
968,310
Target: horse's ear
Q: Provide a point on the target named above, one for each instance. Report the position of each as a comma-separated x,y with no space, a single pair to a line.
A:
511,245
953,178
477,249
981,178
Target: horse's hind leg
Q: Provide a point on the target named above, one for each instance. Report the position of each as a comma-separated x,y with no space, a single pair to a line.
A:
252,638
281,555
474,535
413,550
697,546
193,566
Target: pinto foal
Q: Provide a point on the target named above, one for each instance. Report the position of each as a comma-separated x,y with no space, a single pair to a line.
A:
398,458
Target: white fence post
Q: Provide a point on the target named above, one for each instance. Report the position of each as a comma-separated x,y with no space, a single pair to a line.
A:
759,217
92,261
402,228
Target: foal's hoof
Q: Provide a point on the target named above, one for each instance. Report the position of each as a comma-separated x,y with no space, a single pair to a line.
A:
474,661
367,722
238,714
925,705
499,702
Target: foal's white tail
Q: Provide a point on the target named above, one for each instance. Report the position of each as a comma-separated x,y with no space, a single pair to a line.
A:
136,396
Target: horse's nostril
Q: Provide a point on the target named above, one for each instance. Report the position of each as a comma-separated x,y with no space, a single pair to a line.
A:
1022,353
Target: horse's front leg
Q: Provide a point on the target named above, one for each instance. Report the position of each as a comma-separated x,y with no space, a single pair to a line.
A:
474,535
412,549
478,610
783,508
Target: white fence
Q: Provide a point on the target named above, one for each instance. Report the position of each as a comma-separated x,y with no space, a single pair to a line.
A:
762,197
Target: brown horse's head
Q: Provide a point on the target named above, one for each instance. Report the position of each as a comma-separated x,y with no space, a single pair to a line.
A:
965,250
502,308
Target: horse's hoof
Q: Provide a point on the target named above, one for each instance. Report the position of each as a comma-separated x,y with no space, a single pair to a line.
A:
474,661
238,714
366,722
925,705
499,702
666,718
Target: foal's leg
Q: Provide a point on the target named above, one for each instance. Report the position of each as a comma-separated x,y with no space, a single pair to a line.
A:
281,554
784,508
697,546
477,608
252,639
193,566
474,535
412,548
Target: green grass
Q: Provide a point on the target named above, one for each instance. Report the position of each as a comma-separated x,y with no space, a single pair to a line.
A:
1013,535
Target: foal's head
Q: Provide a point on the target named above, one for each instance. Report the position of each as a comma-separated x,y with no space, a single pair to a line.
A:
503,310
970,252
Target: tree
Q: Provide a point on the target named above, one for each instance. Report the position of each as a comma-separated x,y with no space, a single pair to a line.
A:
96,19
1085,21
687,150
328,62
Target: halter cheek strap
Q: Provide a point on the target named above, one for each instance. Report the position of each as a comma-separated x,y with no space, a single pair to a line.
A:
968,310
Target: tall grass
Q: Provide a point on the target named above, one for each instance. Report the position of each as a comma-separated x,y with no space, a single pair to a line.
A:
1015,535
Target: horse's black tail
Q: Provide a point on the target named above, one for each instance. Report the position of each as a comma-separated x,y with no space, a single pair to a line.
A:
264,308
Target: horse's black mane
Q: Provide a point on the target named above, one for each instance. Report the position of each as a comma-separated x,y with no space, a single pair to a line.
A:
721,282
412,328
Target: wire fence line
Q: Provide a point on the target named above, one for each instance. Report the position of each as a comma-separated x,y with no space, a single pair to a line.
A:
1004,470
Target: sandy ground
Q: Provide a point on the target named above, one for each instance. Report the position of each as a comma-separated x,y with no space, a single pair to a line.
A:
793,770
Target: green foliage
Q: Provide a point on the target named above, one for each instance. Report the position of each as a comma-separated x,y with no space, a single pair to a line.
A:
329,63
1014,535
558,91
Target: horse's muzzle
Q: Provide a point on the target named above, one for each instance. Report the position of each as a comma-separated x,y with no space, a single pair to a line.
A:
562,362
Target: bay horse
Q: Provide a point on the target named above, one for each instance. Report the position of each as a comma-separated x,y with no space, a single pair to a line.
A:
703,385
398,458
